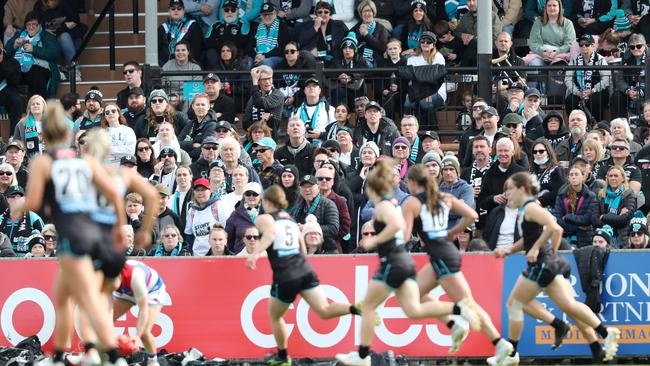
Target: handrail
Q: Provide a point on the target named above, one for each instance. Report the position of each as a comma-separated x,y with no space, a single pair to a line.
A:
109,7
136,17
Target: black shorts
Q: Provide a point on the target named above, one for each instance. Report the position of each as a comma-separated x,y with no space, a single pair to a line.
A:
287,291
78,236
543,271
106,258
395,269
444,257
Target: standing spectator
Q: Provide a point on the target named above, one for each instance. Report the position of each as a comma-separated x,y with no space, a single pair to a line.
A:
62,19
266,102
203,124
178,27
467,31
15,156
595,16
617,206
393,89
372,34
490,122
29,129
229,29
452,184
313,202
9,96
37,51
122,137
133,77
202,215
16,223
145,157
315,112
377,129
576,208
229,200
570,147
180,62
217,177
297,151
417,24
243,216
325,178
548,173
348,85
268,38
222,105
269,170
171,244
237,87
322,36
587,89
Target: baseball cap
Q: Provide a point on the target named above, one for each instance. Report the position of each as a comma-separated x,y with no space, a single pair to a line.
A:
430,134
219,164
128,159
266,142
308,179
532,92
17,144
163,189
373,104
210,140
226,125
176,3
313,80
586,39
13,190
490,110
229,4
212,76
580,158
253,187
517,85
201,182
267,7
137,91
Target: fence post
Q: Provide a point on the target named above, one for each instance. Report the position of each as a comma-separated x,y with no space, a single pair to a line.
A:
151,32
320,74
484,47
647,74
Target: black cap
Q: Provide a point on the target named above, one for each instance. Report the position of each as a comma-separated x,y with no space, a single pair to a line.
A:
168,150
503,132
267,7
12,190
211,76
532,92
17,144
603,125
373,104
430,134
517,85
176,3
313,80
137,91
230,4
128,159
332,144
430,36
308,179
226,125
579,158
218,164
490,110
586,38
210,140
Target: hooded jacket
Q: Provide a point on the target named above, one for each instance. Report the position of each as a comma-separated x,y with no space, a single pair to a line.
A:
195,131
579,223
236,226
464,192
200,219
327,216
561,135
619,222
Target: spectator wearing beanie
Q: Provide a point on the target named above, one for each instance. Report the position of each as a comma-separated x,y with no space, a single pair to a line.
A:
289,183
603,236
347,85
401,153
638,232
35,245
92,116
433,163
312,234
452,184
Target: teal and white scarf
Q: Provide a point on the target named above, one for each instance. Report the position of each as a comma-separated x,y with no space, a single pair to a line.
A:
32,137
584,78
26,59
613,200
415,147
413,39
176,30
267,37
368,53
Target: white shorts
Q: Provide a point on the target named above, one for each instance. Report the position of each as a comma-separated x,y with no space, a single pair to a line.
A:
159,297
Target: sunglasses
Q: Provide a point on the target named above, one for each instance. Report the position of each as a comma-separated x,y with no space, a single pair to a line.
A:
211,147
369,233
426,41
110,111
129,71
636,46
321,12
327,179
167,156
49,237
14,196
290,51
7,173
262,151
619,148
157,100
251,194
170,235
252,237
175,8
512,125
539,151
607,52
400,147
637,234
229,10
143,149
82,142
584,44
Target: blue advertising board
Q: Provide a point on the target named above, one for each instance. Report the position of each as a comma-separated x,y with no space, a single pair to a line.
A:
625,294
191,88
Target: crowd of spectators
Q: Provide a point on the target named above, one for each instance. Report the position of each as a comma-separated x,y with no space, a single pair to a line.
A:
593,173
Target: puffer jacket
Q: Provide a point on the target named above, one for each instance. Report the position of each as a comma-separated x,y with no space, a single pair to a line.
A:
620,222
236,226
579,223
194,132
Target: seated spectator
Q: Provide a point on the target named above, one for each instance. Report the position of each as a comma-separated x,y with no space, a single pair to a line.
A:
315,112
360,109
509,11
595,16
133,77
222,105
129,238
344,171
171,244
592,183
266,102
201,216
534,10
35,246
167,137
297,151
322,37
218,239
467,31
431,142
401,152
348,85
371,34
554,129
135,112
450,47
268,38
575,209
62,19
255,133
14,15
243,216
570,147
50,236
16,223
551,36
341,120
293,11
312,235
489,118
426,54
229,29
7,181
418,23
313,202
629,91
289,83
515,123
180,62
269,169
134,210
145,157
589,89
165,216
159,110
603,237
37,51
230,155
532,114
433,163
399,194
209,153
452,184
225,129
250,240
181,199
501,229
248,11
621,130
122,137
202,124
593,152
474,130
29,129
10,99
178,27
620,149
165,171
638,233
229,200
549,174
236,87
375,128
15,156
217,177
617,206
92,116
289,183
203,11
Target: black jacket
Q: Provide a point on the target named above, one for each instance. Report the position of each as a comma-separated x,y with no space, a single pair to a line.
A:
200,168
123,97
194,36
283,39
386,134
194,132
425,80
591,261
303,160
143,129
135,119
493,226
10,70
226,106
308,37
258,104
579,223
328,217
492,184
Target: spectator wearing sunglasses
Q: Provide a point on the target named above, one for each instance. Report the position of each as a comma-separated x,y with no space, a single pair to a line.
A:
629,91
325,178
269,170
49,234
171,244
246,211
132,72
19,224
178,27
159,110
323,36
289,83
251,239
620,156
229,29
122,137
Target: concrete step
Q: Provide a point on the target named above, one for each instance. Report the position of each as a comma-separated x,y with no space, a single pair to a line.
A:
123,21
100,54
125,6
122,38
